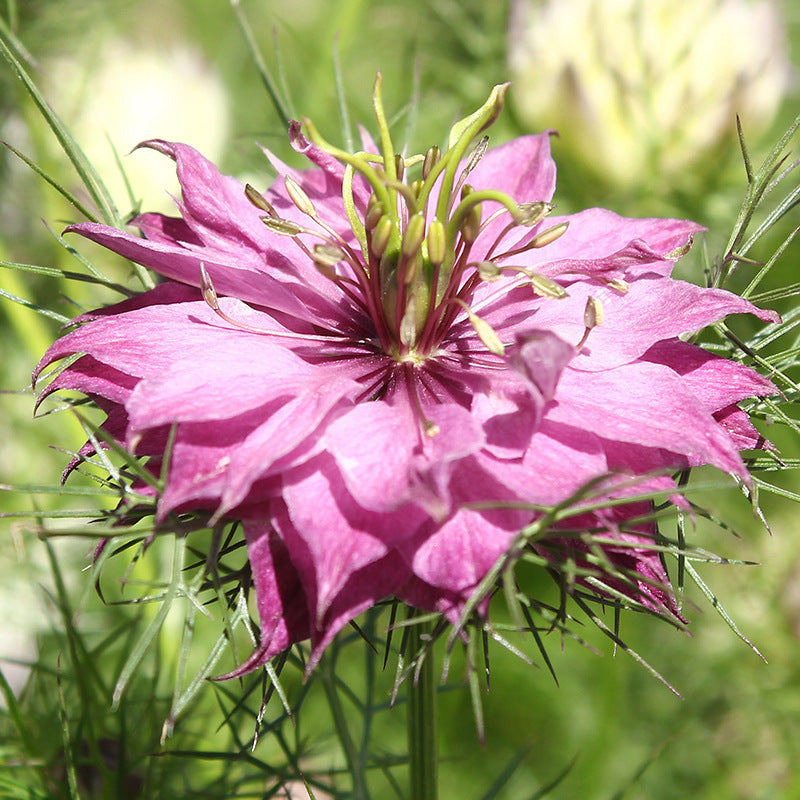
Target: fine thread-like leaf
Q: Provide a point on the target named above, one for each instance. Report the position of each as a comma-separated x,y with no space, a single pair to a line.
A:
83,167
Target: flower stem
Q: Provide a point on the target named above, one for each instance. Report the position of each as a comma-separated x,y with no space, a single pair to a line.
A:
327,671
422,741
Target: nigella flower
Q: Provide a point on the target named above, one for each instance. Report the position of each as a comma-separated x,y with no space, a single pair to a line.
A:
387,366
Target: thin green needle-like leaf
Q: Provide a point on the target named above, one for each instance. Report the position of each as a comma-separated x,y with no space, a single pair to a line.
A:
46,312
66,738
146,639
261,67
83,166
63,191
503,778
54,272
714,600
17,715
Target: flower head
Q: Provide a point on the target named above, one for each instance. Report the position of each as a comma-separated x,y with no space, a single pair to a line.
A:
653,87
388,366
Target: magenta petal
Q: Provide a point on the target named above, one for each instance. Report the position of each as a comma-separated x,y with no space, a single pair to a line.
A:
600,241
279,597
215,205
522,168
387,458
245,281
540,357
716,382
651,407
330,536
456,555
364,427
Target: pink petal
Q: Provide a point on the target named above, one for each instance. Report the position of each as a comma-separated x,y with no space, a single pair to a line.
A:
644,404
331,537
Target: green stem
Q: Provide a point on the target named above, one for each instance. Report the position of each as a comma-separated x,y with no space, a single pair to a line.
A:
422,741
327,671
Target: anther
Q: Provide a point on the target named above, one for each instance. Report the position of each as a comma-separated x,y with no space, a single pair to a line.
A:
283,226
431,160
207,288
399,166
488,271
548,236
547,287
413,236
617,284
299,197
592,317
326,255
471,224
375,211
486,333
530,214
259,201
478,152
408,325
437,242
381,235
593,313
475,156
431,428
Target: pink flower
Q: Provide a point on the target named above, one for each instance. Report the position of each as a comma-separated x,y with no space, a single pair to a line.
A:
387,381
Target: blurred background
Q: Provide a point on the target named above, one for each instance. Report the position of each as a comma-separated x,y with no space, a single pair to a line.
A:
644,96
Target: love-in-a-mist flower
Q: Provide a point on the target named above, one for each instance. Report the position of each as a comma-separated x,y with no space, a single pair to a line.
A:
643,92
388,365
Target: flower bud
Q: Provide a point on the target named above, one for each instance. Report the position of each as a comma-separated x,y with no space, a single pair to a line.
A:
660,101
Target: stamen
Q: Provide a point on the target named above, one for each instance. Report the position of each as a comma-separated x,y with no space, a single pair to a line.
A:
547,287
593,314
212,299
437,242
408,325
617,284
548,236
285,227
298,196
486,333
327,255
530,214
540,240
488,271
413,236
429,427
259,201
592,317
432,158
381,235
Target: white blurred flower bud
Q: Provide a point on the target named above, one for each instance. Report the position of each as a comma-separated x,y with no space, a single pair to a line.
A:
125,91
642,90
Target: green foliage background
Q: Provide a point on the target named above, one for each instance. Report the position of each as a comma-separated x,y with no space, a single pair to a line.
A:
608,729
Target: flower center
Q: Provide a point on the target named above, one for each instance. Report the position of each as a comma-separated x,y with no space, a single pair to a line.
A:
415,274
